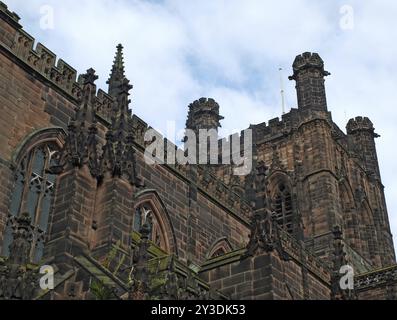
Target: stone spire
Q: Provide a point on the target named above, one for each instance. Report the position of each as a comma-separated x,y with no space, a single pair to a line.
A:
81,141
118,156
119,88
117,74
121,111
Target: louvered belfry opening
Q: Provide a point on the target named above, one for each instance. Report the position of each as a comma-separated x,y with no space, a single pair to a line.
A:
283,208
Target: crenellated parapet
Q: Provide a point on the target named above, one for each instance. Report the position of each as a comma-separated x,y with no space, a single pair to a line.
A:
10,16
376,278
59,73
360,124
43,61
308,62
104,105
276,127
289,123
203,114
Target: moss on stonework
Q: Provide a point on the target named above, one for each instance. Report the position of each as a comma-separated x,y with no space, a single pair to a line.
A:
153,249
101,291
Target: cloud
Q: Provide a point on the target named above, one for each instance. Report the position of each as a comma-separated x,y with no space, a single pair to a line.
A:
177,51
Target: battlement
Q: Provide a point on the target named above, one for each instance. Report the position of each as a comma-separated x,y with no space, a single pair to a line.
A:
359,124
307,61
9,14
204,104
268,130
376,278
104,105
44,61
237,136
203,114
40,59
276,126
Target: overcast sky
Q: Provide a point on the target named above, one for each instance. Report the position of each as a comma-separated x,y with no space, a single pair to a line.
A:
178,51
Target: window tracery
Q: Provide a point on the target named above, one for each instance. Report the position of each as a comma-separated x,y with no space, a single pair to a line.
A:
146,213
283,212
33,191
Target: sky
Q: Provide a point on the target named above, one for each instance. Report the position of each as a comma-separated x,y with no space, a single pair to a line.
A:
178,51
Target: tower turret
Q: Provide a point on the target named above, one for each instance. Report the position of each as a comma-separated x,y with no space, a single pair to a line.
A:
203,114
309,75
362,134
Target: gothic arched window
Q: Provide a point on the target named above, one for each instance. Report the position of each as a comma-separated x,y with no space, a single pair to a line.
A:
33,192
219,252
219,248
283,207
146,213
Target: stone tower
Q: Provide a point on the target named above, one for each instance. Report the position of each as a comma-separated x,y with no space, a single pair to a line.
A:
309,75
203,114
370,190
362,136
79,195
204,120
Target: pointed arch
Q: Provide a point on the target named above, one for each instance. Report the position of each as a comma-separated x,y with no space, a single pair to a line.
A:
33,186
55,135
277,177
349,214
280,192
220,247
346,195
367,213
162,230
368,233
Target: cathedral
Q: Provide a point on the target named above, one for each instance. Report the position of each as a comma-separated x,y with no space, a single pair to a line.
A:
79,201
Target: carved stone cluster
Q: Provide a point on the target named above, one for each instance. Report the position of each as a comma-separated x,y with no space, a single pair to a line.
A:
19,280
164,284
337,293
139,289
264,236
117,156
